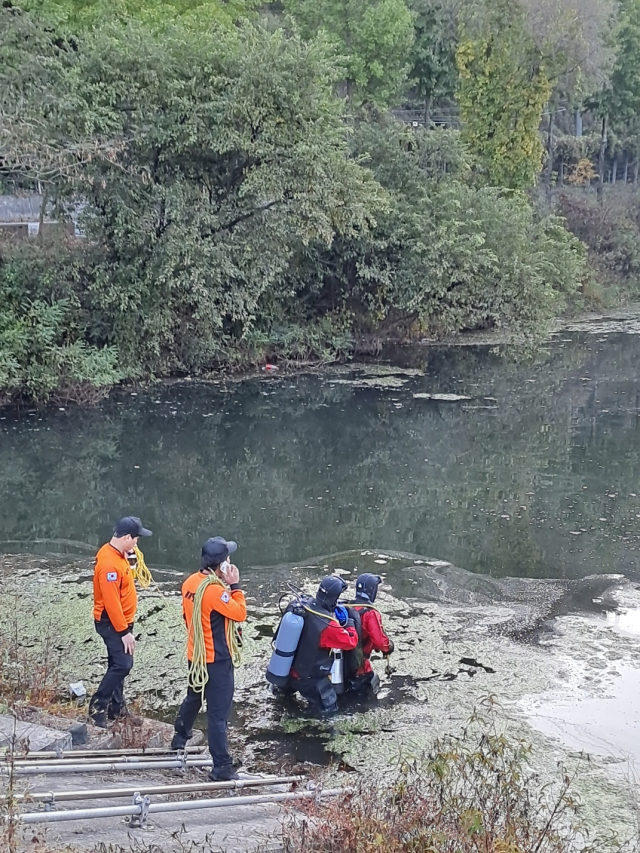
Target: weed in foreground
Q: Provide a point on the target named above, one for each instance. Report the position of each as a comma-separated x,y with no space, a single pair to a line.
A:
472,794
30,658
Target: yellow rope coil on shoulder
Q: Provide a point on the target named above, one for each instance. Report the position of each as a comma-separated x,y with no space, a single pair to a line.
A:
141,571
198,674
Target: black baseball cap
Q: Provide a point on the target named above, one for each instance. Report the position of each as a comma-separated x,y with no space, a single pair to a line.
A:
130,525
216,551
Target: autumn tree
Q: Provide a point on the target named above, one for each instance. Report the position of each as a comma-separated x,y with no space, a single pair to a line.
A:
617,103
574,39
503,87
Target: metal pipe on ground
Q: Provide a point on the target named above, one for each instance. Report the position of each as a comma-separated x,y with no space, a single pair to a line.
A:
72,755
105,759
106,793
34,769
179,805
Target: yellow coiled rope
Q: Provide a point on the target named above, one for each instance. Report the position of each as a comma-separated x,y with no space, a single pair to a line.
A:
198,674
141,571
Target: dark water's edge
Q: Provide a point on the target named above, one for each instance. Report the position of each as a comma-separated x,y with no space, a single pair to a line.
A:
374,351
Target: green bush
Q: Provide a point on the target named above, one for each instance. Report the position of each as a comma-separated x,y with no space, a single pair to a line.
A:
326,339
445,256
44,351
611,231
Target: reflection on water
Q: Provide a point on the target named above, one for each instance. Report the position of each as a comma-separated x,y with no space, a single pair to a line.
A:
537,475
606,723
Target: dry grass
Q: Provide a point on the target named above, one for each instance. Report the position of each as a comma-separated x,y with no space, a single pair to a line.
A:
474,794
29,671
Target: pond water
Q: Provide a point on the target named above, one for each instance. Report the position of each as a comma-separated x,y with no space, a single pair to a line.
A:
537,474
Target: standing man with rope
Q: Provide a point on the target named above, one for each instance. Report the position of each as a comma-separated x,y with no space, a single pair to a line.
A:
114,610
212,604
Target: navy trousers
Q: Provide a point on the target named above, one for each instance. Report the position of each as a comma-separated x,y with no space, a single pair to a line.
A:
218,695
109,697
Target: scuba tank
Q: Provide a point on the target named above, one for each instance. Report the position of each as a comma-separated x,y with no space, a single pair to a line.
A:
285,645
336,676
313,613
353,659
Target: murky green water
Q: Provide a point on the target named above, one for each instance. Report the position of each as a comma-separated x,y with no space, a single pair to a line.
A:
538,474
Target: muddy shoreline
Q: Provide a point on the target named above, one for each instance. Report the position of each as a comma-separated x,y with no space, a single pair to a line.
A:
533,645
371,352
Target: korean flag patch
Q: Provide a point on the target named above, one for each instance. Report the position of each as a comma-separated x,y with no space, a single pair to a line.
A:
112,576
225,597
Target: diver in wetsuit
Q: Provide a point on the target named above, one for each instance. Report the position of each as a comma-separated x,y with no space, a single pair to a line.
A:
359,674
323,630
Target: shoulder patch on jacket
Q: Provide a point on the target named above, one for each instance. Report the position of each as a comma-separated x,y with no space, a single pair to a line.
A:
225,597
112,576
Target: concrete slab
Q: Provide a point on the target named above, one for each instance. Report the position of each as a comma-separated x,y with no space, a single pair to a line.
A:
38,737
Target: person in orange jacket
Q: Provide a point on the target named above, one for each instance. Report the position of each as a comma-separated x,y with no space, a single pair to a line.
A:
114,610
222,603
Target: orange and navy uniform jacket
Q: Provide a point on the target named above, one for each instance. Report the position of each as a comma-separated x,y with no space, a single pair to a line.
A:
114,592
220,605
335,637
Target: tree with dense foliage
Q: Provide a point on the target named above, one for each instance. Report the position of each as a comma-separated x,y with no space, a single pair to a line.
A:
433,54
502,92
373,41
246,191
233,153
35,145
238,153
88,13
445,255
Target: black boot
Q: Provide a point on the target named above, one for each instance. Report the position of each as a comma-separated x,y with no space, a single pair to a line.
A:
223,774
99,719
118,713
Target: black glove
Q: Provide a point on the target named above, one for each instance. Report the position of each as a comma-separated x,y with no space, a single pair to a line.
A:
391,647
